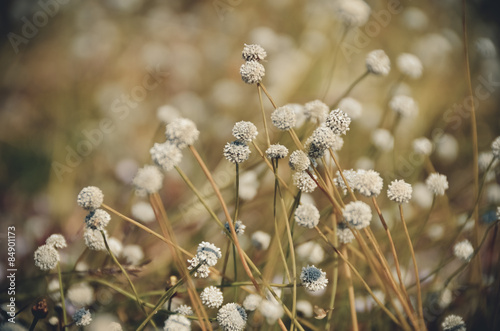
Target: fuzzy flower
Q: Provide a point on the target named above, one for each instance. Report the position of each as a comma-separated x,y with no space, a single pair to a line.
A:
203,270
403,105
97,219
208,253
453,323
239,227
56,240
271,310
422,146
81,294
236,151
409,65
261,240
307,215
378,63
437,183
252,302
304,308
93,239
344,234
310,251
316,111
313,279
399,191
351,107
244,131
304,182
463,250
276,151
182,132
252,72
148,180
323,138
46,257
114,326
253,52
166,155
353,13
177,323
232,317
495,147
90,198
82,317
382,139
133,254
484,159
350,177
338,121
115,246
358,214
212,297
368,183
143,212
184,310
299,161
283,118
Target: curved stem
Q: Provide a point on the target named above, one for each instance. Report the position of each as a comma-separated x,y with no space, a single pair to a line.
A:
61,290
349,89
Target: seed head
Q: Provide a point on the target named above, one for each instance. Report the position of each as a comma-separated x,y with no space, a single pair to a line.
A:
203,270
276,151
378,63
304,182
313,279
90,198
81,294
261,240
316,111
208,253
399,191
338,121
437,183
232,317
351,107
177,323
299,161
344,234
307,215
422,146
182,132
143,212
382,139
97,219
453,323
283,118
133,254
252,72
236,151
403,105
463,250
245,131
358,214
56,240
46,257
368,183
353,13
82,317
253,52
93,239
252,302
184,310
212,297
166,155
148,180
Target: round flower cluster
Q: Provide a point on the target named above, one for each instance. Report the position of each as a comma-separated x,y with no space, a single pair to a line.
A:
349,175
252,72
399,191
82,317
344,234
403,105
353,13
252,302
245,131
351,107
166,155
232,317
453,323
177,323
463,250
239,227
313,279
97,219
299,161
338,122
236,151
316,111
437,183
368,183
56,240
358,214
93,239
212,297
495,147
307,215
409,65
253,52
261,240
90,198
304,182
283,118
208,253
184,310
182,132
382,139
46,257
277,151
422,146
378,63
148,180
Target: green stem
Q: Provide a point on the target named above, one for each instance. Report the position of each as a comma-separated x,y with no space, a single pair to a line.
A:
349,89
61,290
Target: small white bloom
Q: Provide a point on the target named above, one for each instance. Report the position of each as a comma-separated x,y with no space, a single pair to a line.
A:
56,240
463,250
166,155
184,310
239,227
382,139
212,297
399,191
261,240
82,317
177,323
344,234
236,151
422,146
353,13
307,215
148,180
133,254
403,105
182,132
93,239
305,308
368,183
299,161
245,131
453,323
90,198
81,294
249,185
313,279
304,182
115,246
143,212
351,107
283,118
46,257
409,65
232,317
208,253
276,151
422,195
253,52
252,72
338,121
316,111
252,302
97,219
203,270
358,214
311,252
437,183
271,310
378,63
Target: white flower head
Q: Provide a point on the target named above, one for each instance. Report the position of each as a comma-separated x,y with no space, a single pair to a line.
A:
305,308
93,239
358,214
177,323
323,138
182,132
239,227
232,317
148,180
115,246
307,215
212,297
143,212
81,294
338,121
310,251
403,105
271,310
133,254
353,13
252,72
203,270
498,212
299,161
208,253
368,183
486,48
82,317
437,183
344,234
399,191
383,140
351,107
495,147
276,151
261,240
409,65
316,110
253,52
453,323
56,240
283,118
350,177
236,151
313,279
184,310
463,250
97,219
422,146
252,302
245,131
114,326
90,198
46,257
304,182
166,155
378,63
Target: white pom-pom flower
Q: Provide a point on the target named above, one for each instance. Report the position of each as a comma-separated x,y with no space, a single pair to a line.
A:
399,191
236,151
358,214
378,63
463,250
245,131
283,118
437,183
177,323
307,215
368,183
299,161
403,105
252,302
409,65
232,317
148,180
182,132
97,219
313,279
46,257
253,52
316,110
453,323
252,72
304,182
56,240
166,155
212,297
82,317
338,122
261,240
353,13
90,198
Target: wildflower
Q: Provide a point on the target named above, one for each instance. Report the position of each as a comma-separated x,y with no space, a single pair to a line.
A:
299,161
208,253
304,182
344,234
271,310
253,52
46,257
81,294
166,155
248,185
115,246
252,302
382,139
409,65
378,63
143,212
463,250
261,240
56,240
437,183
167,113
133,254
239,227
447,147
368,183
304,308
94,240
313,279
415,18
203,269
323,138
97,219
232,317
351,107
311,252
453,323
212,297
353,13
422,196
316,111
338,121
422,146
277,151
399,191
148,180
90,198
252,72
53,289
184,310
358,214
114,326
236,151
177,323
307,215
495,147
484,159
283,118
403,105
82,317
182,132
245,131
349,175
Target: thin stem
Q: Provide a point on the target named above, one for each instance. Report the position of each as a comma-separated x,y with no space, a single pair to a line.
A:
335,273
349,89
33,324
268,95
350,289
61,291
263,115
345,29
342,174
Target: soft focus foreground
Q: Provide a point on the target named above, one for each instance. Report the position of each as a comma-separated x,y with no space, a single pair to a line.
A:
232,165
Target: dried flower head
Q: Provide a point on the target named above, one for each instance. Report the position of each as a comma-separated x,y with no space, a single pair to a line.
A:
307,215
349,175
338,121
90,198
184,310
378,63
353,13
182,132
344,234
177,323
252,72
368,183
399,191
56,240
409,65
203,270
81,294
82,317
299,161
94,240
276,151
358,214
236,151
495,147
253,52
212,297
115,246
323,138
252,302
232,317
403,105
453,323
382,139
304,182
46,257
208,253
97,219
166,155
148,180
239,227
261,240
316,110
422,146
437,183
283,118
313,279
244,131
351,107
463,250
